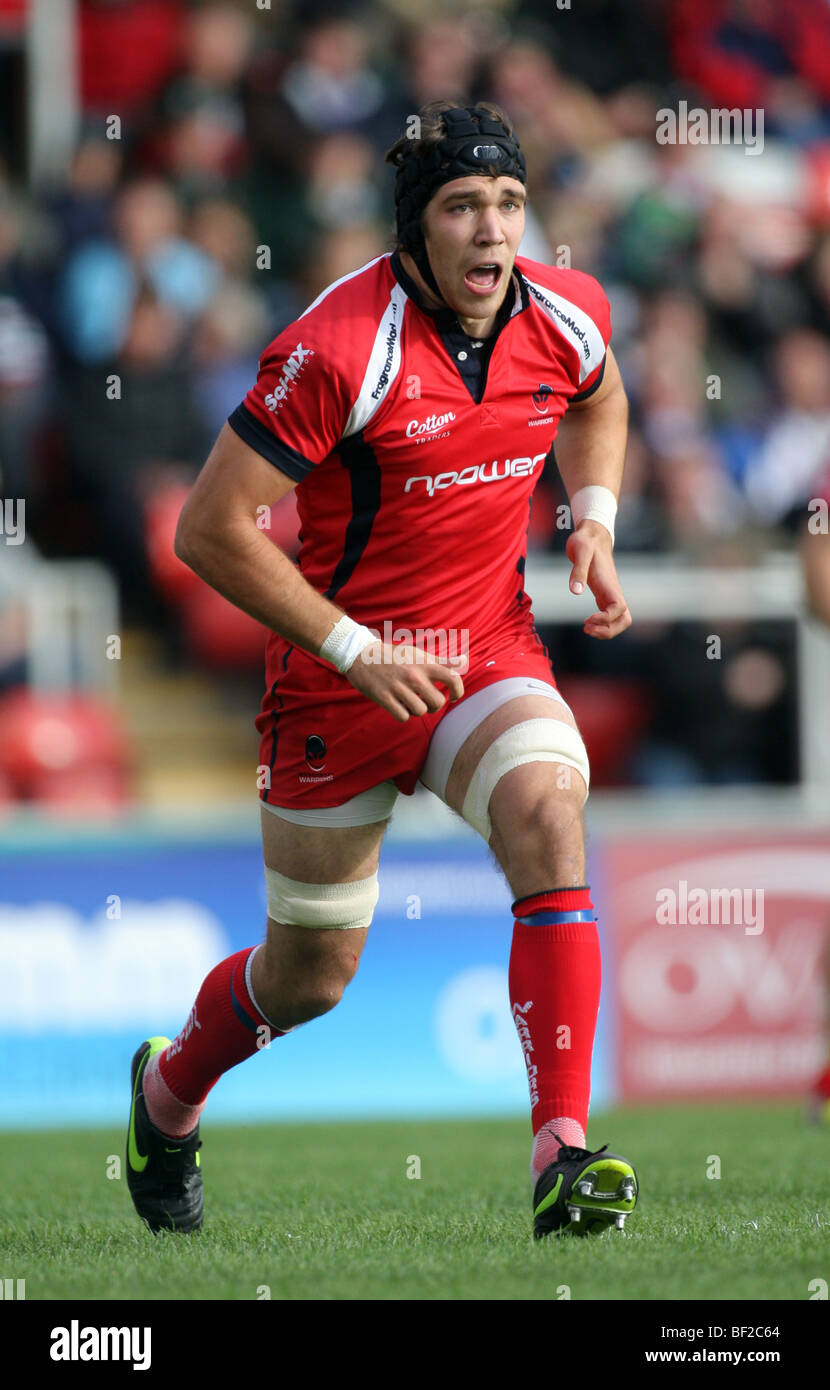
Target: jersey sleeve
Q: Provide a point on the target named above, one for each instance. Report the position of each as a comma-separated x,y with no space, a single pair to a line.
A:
592,300
296,414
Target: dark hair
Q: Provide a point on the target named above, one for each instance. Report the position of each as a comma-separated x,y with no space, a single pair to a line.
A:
433,129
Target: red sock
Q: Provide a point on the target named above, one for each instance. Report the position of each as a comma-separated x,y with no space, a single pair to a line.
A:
555,976
224,1027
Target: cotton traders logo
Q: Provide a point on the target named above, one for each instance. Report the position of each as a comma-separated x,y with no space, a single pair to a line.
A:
290,372
433,425
541,398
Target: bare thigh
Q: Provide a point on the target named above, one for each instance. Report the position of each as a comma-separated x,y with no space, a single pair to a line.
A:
314,854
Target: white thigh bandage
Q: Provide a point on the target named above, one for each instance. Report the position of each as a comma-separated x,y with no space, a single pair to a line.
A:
333,905
534,741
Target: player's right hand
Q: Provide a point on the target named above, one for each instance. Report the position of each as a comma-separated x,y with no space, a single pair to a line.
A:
404,679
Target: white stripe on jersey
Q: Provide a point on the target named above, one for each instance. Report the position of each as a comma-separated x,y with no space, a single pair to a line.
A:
577,327
384,364
342,281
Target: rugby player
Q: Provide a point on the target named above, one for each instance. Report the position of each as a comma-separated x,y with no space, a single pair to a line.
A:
412,406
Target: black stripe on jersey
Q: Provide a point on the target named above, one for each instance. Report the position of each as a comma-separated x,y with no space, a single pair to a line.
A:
252,430
364,475
583,395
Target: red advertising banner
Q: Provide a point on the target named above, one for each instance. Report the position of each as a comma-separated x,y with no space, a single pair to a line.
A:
720,966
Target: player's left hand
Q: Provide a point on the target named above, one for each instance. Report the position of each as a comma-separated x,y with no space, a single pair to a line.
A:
590,551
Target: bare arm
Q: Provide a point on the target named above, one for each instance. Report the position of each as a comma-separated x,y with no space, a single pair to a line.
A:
590,442
219,539
590,450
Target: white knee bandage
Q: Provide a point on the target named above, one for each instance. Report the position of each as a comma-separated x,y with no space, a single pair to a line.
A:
333,905
534,741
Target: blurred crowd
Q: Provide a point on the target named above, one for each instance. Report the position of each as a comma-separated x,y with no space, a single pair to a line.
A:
248,173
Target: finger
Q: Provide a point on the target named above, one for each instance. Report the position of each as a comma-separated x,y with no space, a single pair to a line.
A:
432,696
395,708
447,677
411,700
609,617
580,551
609,614
423,689
596,627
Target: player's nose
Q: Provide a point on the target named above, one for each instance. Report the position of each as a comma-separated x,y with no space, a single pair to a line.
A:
489,227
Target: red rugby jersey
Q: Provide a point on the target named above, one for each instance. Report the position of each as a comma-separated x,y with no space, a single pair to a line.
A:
414,478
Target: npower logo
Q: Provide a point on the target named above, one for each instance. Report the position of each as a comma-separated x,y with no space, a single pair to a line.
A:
494,472
289,374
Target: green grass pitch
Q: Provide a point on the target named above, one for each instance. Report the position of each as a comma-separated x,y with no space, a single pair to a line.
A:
326,1211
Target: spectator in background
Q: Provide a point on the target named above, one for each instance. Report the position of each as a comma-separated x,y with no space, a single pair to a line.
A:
80,209
796,444
337,253
293,102
773,54
558,121
604,44
200,140
25,359
341,190
439,58
119,446
221,229
669,373
716,721
128,49
330,85
103,279
226,345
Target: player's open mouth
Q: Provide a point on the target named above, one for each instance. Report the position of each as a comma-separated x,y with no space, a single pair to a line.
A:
483,279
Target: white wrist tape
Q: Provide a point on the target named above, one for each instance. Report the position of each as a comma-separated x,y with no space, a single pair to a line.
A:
345,642
595,503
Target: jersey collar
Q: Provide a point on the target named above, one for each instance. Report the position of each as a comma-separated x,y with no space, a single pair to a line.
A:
447,318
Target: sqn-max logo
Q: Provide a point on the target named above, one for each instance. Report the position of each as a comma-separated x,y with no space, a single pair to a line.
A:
289,374
494,472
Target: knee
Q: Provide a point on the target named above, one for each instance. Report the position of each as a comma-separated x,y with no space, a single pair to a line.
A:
554,823
313,998
539,828
305,982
